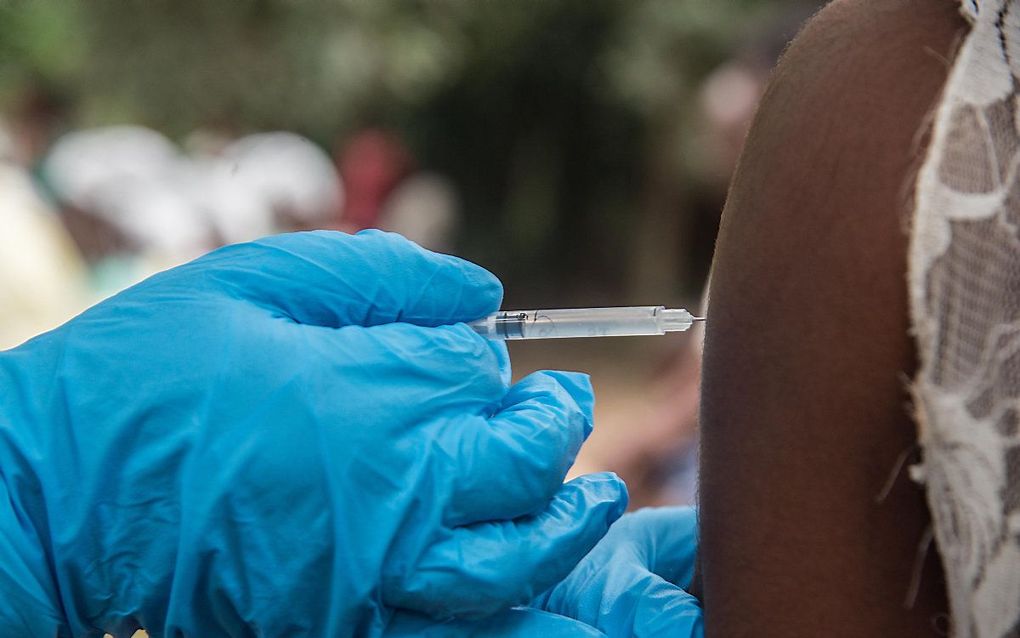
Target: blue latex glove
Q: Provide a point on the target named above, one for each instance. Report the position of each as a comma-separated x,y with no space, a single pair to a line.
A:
632,583
520,622
271,441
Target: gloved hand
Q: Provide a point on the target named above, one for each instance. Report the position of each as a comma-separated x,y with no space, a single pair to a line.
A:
632,583
272,440
519,622
629,585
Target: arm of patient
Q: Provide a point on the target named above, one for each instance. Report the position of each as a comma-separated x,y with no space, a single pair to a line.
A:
804,406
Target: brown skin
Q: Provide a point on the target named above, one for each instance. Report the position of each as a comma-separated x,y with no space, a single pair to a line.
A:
804,403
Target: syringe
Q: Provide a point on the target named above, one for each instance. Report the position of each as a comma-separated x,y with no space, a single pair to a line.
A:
584,322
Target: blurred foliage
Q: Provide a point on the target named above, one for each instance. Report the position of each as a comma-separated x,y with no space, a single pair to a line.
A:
554,118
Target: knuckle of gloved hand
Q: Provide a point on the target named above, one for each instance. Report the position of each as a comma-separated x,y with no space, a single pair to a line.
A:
459,358
575,385
462,586
432,353
253,256
377,236
568,404
320,249
534,478
297,242
379,246
441,266
447,345
453,282
446,572
543,470
535,465
460,339
374,241
482,475
249,254
532,452
678,519
560,426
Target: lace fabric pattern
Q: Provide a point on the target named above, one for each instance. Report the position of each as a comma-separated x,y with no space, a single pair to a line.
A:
964,282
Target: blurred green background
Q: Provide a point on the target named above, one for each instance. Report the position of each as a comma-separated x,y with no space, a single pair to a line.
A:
571,129
579,149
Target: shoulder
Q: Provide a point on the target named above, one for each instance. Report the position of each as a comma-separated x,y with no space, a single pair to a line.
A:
861,77
840,133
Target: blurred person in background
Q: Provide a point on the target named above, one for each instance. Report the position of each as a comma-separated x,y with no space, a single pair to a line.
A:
266,183
42,274
424,208
39,115
371,163
127,196
137,204
386,191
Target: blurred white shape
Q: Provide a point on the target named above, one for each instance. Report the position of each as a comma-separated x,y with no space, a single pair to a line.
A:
84,161
728,99
730,95
424,209
136,180
264,182
42,277
171,207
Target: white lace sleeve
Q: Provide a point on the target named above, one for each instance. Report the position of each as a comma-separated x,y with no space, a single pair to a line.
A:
965,300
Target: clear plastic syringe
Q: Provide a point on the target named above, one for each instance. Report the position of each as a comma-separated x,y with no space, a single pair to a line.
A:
583,322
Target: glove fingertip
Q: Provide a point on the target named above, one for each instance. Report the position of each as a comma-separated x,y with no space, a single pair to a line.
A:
457,290
499,350
605,487
467,290
623,498
578,386
486,286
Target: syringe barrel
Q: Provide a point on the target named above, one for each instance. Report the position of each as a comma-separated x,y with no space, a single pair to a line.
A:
573,322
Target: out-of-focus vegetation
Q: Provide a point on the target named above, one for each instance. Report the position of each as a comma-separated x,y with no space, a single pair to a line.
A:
569,128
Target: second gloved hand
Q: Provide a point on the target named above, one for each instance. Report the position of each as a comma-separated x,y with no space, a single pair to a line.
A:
286,438
632,583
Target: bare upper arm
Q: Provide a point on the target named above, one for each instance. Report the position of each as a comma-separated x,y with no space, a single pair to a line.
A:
804,409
